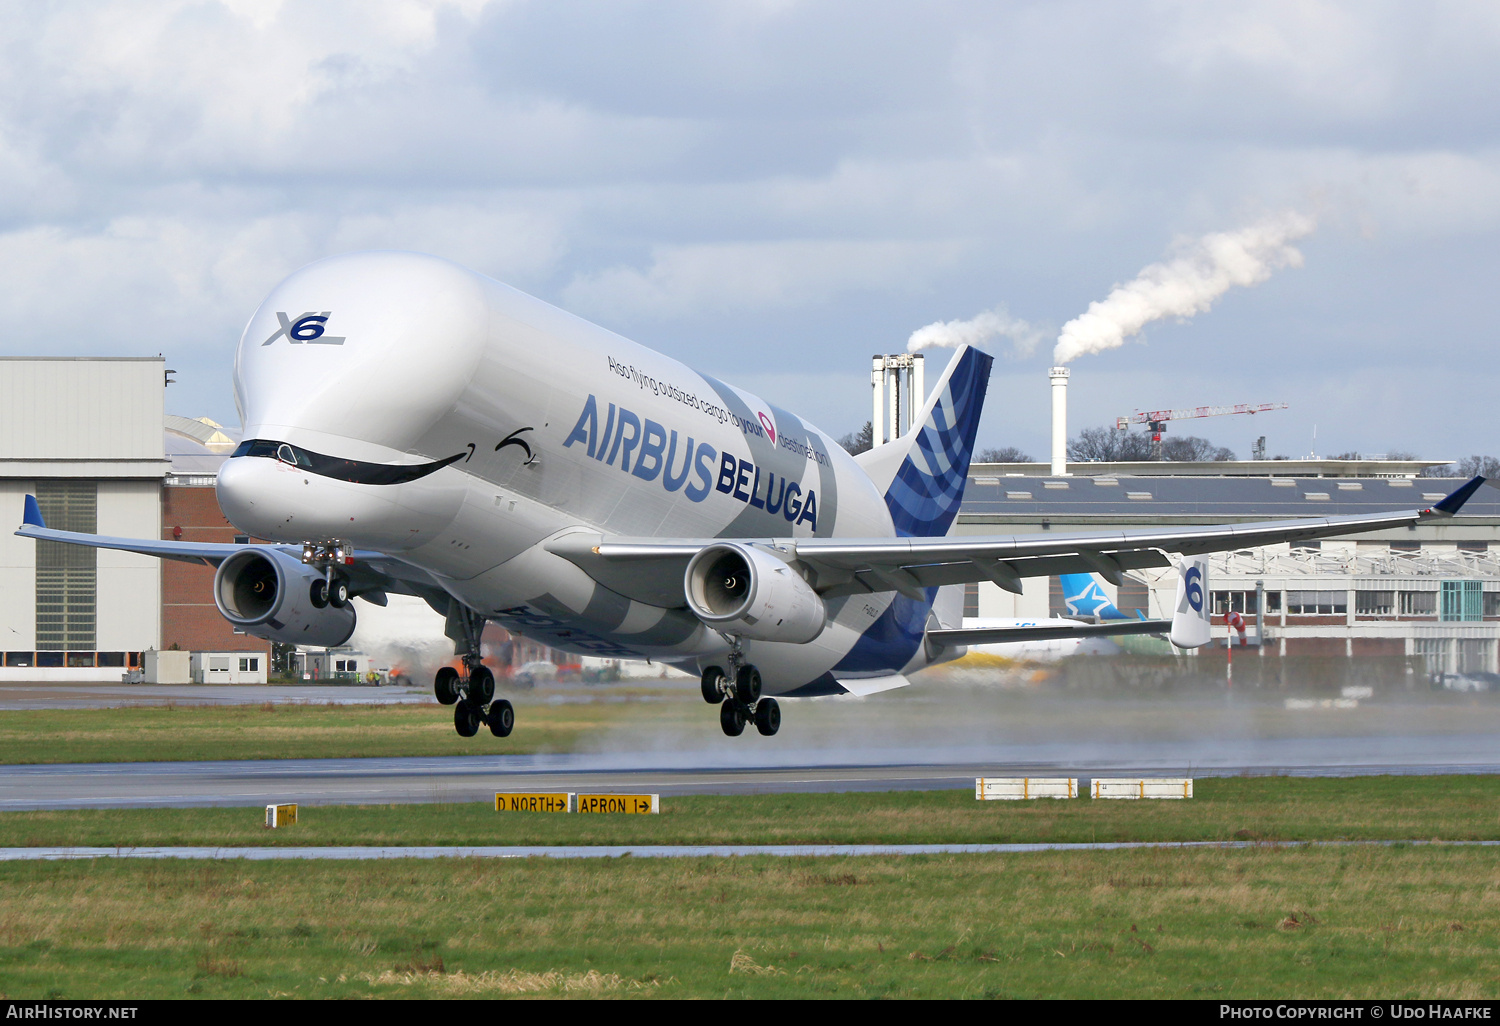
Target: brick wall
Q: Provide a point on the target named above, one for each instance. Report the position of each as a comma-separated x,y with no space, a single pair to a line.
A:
190,620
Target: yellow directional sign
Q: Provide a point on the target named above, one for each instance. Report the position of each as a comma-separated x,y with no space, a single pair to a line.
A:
281,815
554,802
619,803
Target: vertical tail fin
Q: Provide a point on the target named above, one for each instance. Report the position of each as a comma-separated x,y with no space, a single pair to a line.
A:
1190,623
1084,596
924,471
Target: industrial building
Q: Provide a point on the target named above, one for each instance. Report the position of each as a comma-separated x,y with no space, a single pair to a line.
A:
85,437
1431,592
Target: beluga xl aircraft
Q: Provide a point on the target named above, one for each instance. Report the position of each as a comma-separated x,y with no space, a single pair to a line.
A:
413,427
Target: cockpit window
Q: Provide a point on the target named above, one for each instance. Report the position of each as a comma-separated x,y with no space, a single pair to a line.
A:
353,471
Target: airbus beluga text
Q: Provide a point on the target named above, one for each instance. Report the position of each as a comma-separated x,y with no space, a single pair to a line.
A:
414,427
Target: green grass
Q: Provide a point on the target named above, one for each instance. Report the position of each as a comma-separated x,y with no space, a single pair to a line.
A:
1239,808
178,733
1314,923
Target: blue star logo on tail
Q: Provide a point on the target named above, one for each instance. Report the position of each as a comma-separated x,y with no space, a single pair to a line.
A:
1084,596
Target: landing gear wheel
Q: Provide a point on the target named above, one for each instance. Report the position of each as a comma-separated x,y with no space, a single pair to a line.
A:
317,594
732,717
466,719
747,685
710,682
767,716
481,685
501,718
338,593
445,685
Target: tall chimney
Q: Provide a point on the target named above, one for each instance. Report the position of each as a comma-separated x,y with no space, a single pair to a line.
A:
1059,376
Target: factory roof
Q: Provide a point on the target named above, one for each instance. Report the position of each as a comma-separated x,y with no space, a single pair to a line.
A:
1127,499
1372,467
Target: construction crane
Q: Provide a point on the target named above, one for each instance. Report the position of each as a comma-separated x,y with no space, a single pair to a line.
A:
1156,420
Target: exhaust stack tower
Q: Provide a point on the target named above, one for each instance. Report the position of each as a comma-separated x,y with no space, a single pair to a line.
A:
1059,376
899,390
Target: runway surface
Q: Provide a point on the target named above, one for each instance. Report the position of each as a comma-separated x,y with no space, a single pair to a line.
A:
477,778
19,696
660,851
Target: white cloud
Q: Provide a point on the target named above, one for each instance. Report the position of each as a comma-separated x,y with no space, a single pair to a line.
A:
683,280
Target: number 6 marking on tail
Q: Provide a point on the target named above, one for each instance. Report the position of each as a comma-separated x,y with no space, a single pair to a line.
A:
1193,579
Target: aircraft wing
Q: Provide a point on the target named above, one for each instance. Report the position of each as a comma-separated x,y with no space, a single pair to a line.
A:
371,575
1046,632
651,570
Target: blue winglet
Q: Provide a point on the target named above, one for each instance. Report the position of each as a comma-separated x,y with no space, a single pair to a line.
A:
1459,496
33,515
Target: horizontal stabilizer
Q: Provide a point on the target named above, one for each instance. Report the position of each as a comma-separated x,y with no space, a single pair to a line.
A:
1046,632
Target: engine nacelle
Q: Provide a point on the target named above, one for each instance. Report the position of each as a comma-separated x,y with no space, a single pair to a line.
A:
740,590
267,593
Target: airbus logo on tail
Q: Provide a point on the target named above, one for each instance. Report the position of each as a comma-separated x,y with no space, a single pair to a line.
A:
305,327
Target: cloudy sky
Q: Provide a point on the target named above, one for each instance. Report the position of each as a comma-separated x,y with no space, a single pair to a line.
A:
772,191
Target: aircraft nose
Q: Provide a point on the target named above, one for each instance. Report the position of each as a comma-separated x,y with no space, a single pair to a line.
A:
251,493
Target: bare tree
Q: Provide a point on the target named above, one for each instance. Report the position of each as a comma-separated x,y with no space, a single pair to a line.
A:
859,441
1487,466
1192,449
1007,454
1107,445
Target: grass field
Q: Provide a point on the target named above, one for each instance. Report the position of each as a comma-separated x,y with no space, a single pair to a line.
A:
1353,923
1236,808
186,733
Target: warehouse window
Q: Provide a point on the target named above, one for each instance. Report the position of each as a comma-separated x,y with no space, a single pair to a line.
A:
1374,603
1477,547
1406,546
1239,601
1492,603
1463,600
1306,546
1418,603
66,575
971,599
1310,603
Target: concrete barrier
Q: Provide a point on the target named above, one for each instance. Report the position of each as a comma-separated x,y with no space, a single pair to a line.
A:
1143,787
1022,788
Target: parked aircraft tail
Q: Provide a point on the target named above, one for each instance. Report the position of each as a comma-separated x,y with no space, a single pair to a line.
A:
1084,596
1190,624
923,472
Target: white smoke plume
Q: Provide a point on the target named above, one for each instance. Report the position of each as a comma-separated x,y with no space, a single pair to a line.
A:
1186,285
405,636
996,323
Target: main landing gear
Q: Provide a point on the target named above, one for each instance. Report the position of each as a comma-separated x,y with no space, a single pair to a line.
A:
472,694
739,699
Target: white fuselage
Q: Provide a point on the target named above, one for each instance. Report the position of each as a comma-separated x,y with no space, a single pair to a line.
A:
1047,650
561,425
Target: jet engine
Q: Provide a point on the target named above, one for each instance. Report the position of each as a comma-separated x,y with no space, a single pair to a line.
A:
267,593
741,590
